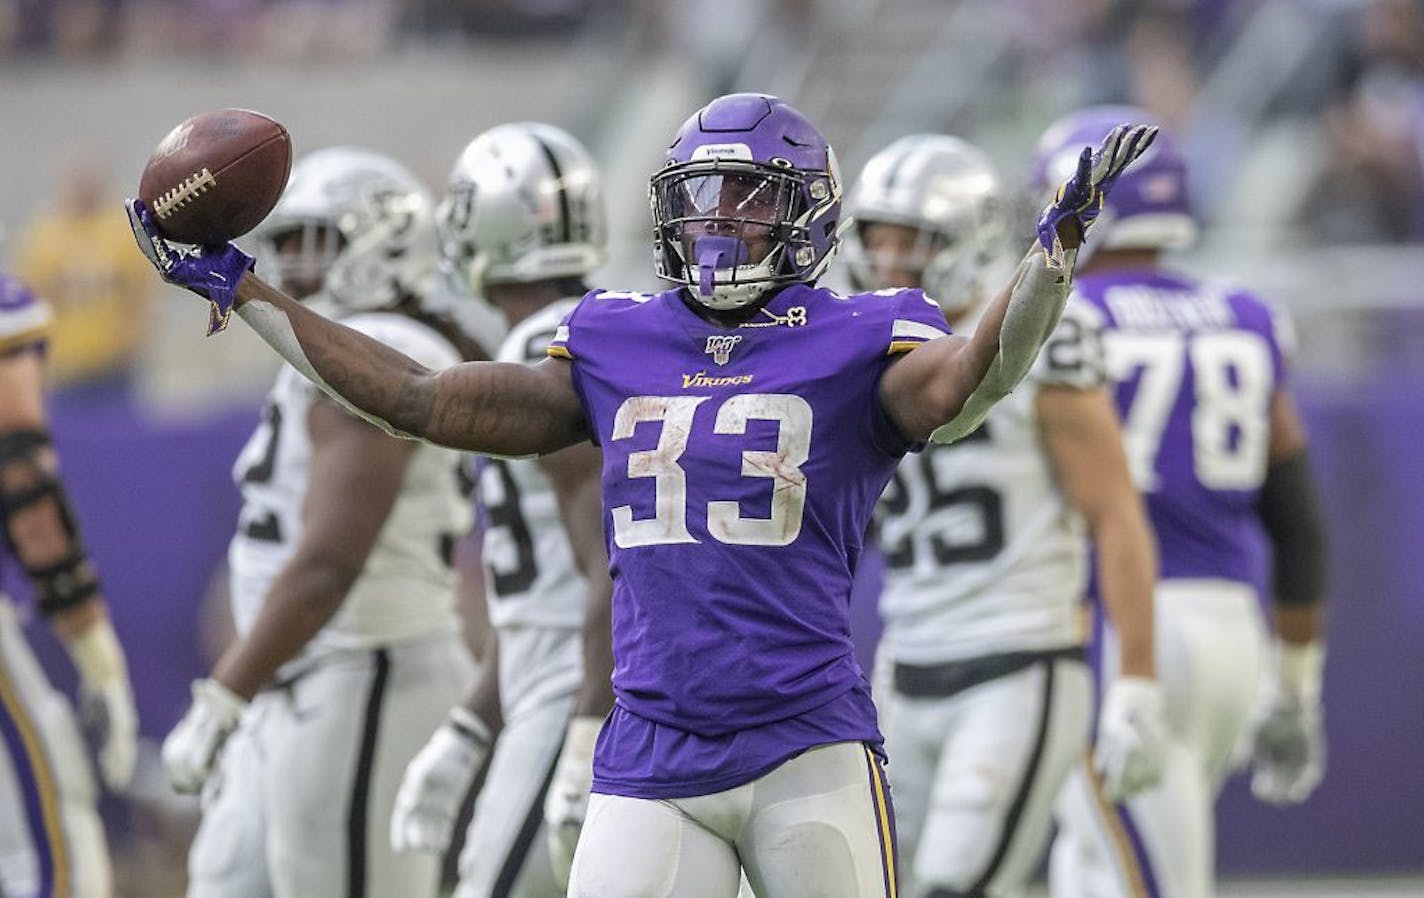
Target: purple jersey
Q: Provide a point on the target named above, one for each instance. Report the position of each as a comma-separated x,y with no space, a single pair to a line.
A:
740,468
1195,369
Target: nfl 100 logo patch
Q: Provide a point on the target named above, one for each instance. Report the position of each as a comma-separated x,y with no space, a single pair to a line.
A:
720,347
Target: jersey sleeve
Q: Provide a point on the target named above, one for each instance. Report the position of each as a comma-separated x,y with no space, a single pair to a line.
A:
1073,354
24,318
917,320
564,344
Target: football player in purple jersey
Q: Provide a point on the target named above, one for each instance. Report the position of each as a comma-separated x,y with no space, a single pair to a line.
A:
1216,445
748,421
51,839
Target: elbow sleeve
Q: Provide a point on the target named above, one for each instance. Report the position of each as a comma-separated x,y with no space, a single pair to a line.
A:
1035,304
1289,507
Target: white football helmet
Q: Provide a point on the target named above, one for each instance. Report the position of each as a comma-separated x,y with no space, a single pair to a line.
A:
948,191
524,203
366,228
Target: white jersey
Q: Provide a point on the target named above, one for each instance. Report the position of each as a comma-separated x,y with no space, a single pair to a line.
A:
533,585
407,588
983,555
530,571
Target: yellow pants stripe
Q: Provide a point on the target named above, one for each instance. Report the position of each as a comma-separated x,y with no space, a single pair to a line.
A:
882,819
1122,847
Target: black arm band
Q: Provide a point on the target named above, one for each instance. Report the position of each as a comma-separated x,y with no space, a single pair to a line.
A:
60,583
1290,511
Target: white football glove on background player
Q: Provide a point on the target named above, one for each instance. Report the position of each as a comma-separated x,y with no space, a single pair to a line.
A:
106,702
436,781
1288,754
566,802
192,749
1132,737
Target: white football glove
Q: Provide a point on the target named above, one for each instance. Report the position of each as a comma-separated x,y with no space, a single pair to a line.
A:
436,781
1132,737
1288,754
192,749
106,703
566,802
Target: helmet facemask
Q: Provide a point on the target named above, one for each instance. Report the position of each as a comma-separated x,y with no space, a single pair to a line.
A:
929,213
730,230
302,253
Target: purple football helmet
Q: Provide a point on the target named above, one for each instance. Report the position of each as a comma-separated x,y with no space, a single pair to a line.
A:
1148,205
748,200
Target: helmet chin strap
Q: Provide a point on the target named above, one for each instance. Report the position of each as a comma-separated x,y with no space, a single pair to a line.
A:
715,253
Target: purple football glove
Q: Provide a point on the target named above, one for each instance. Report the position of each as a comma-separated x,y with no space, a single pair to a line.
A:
212,272
1080,198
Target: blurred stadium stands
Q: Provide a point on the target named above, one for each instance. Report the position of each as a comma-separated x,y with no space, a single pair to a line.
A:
1303,121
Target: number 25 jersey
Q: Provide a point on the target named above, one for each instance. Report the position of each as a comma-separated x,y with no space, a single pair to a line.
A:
1195,368
983,554
740,469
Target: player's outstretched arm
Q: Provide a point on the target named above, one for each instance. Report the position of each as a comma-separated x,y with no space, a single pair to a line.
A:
489,407
947,386
1084,445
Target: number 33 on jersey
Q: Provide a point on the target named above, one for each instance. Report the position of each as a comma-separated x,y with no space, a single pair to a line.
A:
739,442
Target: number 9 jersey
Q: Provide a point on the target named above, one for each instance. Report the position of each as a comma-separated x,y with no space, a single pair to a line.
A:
1195,368
407,587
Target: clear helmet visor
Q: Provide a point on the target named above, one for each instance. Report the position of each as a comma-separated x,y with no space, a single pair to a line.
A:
728,220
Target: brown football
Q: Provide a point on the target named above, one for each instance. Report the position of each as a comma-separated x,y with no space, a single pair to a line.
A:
217,175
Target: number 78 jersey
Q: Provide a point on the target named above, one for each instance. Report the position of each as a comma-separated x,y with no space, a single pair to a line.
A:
740,469
1195,369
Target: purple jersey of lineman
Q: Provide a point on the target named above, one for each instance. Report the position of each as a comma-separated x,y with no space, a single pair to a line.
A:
740,469
1195,369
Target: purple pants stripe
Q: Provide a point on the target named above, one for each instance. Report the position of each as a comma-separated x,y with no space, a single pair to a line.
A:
37,785
1139,851
884,823
1127,847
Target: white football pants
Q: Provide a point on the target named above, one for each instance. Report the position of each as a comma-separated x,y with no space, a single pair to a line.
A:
975,775
1162,843
505,854
300,806
51,840
818,826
